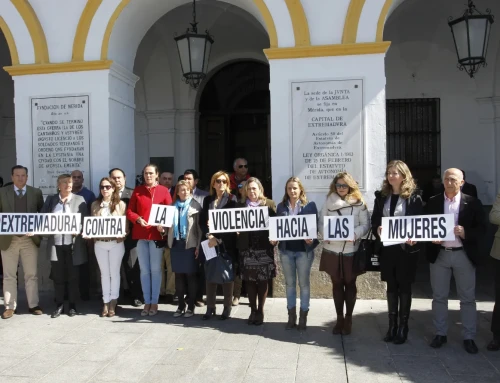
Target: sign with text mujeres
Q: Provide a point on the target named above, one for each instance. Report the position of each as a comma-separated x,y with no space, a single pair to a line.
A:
327,131
238,219
419,228
61,139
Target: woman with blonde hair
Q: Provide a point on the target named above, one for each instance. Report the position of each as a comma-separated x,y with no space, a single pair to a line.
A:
297,256
344,198
398,263
257,266
220,198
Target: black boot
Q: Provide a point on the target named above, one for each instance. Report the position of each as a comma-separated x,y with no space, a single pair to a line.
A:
209,314
404,315
303,320
292,319
392,305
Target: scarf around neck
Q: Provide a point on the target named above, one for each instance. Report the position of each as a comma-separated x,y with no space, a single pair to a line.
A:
180,218
252,204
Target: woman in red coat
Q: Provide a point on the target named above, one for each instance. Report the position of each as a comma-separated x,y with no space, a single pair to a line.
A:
151,243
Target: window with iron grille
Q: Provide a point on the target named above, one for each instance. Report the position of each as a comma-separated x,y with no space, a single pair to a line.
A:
413,136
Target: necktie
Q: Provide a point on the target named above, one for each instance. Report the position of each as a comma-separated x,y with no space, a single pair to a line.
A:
20,193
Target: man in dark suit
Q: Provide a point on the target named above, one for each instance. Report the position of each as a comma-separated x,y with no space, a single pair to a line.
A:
20,198
468,188
167,180
130,266
459,257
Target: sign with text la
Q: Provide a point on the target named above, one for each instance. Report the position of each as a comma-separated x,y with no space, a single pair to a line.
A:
37,223
419,228
338,228
238,219
161,215
104,227
286,228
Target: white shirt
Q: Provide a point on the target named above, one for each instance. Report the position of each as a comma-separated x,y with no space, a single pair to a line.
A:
452,206
121,191
63,239
16,189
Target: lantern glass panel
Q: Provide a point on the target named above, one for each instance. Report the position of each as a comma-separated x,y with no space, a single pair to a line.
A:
477,31
197,45
208,48
460,34
183,47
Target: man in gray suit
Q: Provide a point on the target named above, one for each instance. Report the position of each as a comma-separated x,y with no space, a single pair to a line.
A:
192,177
20,198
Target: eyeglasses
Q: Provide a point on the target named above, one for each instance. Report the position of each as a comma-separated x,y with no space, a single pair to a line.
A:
221,181
243,166
105,187
342,186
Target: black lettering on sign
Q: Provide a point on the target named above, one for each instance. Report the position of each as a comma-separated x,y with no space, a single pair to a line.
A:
341,230
295,227
163,216
442,233
215,220
393,229
426,232
416,228
238,219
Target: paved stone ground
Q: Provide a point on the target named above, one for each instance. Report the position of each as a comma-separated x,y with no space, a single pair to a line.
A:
129,348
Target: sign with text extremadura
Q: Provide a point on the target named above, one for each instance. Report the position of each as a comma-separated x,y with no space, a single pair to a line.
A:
419,228
39,223
327,131
61,139
238,219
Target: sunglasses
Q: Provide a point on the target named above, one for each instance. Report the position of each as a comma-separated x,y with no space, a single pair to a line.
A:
243,166
221,181
342,186
105,187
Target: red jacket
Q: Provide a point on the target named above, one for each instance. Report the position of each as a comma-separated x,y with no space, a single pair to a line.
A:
234,185
140,206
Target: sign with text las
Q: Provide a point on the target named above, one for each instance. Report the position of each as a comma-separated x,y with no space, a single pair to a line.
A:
286,228
61,139
419,228
238,219
37,223
104,227
161,215
339,228
327,131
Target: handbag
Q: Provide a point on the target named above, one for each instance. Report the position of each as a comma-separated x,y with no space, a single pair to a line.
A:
367,257
160,244
219,270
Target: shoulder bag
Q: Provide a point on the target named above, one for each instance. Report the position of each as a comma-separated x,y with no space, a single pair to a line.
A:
220,269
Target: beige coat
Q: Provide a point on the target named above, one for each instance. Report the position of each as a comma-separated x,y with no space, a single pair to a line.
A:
495,220
193,236
332,206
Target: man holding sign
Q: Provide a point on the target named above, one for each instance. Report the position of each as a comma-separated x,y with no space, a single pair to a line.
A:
20,198
458,256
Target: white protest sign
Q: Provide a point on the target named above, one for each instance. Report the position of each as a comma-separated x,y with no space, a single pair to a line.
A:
161,215
338,228
37,223
104,227
238,219
286,228
419,228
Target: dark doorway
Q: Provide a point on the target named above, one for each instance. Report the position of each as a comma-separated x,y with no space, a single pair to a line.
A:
234,121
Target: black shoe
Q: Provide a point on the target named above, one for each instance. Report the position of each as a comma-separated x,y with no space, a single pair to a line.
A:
137,303
494,345
438,341
72,310
58,312
169,299
209,314
470,346
392,306
226,314
37,310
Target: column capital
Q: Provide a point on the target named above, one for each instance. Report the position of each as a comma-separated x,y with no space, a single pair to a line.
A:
123,74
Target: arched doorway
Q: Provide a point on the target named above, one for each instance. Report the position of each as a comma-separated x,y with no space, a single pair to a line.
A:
234,121
7,126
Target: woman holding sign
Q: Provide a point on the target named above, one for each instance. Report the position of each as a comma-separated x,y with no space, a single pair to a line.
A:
297,256
150,242
256,253
220,198
344,199
398,262
109,251
184,238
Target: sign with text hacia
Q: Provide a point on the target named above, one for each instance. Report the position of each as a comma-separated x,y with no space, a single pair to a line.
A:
61,139
327,131
338,228
287,228
238,219
104,227
39,224
161,215
419,228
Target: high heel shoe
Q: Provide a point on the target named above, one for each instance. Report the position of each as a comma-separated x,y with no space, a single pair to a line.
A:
251,318
105,310
259,318
145,311
226,314
112,308
209,314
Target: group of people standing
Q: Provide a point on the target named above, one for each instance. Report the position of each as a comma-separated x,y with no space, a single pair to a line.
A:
252,253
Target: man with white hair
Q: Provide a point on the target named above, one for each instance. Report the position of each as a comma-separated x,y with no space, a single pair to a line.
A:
458,257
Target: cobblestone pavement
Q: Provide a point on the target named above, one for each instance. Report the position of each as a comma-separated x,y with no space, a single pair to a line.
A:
129,348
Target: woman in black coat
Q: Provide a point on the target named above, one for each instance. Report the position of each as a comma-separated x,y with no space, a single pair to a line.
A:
398,263
220,198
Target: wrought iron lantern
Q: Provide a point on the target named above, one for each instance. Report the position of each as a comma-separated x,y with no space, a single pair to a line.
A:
471,34
194,52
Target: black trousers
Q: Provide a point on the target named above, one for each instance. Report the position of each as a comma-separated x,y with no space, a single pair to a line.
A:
182,281
495,319
64,272
133,275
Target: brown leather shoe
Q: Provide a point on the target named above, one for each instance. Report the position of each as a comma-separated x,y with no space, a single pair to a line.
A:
37,310
9,313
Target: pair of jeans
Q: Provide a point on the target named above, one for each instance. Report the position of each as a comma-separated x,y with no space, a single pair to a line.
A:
109,257
297,263
150,261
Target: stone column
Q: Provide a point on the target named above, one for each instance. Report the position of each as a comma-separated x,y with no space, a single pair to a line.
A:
161,133
186,136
